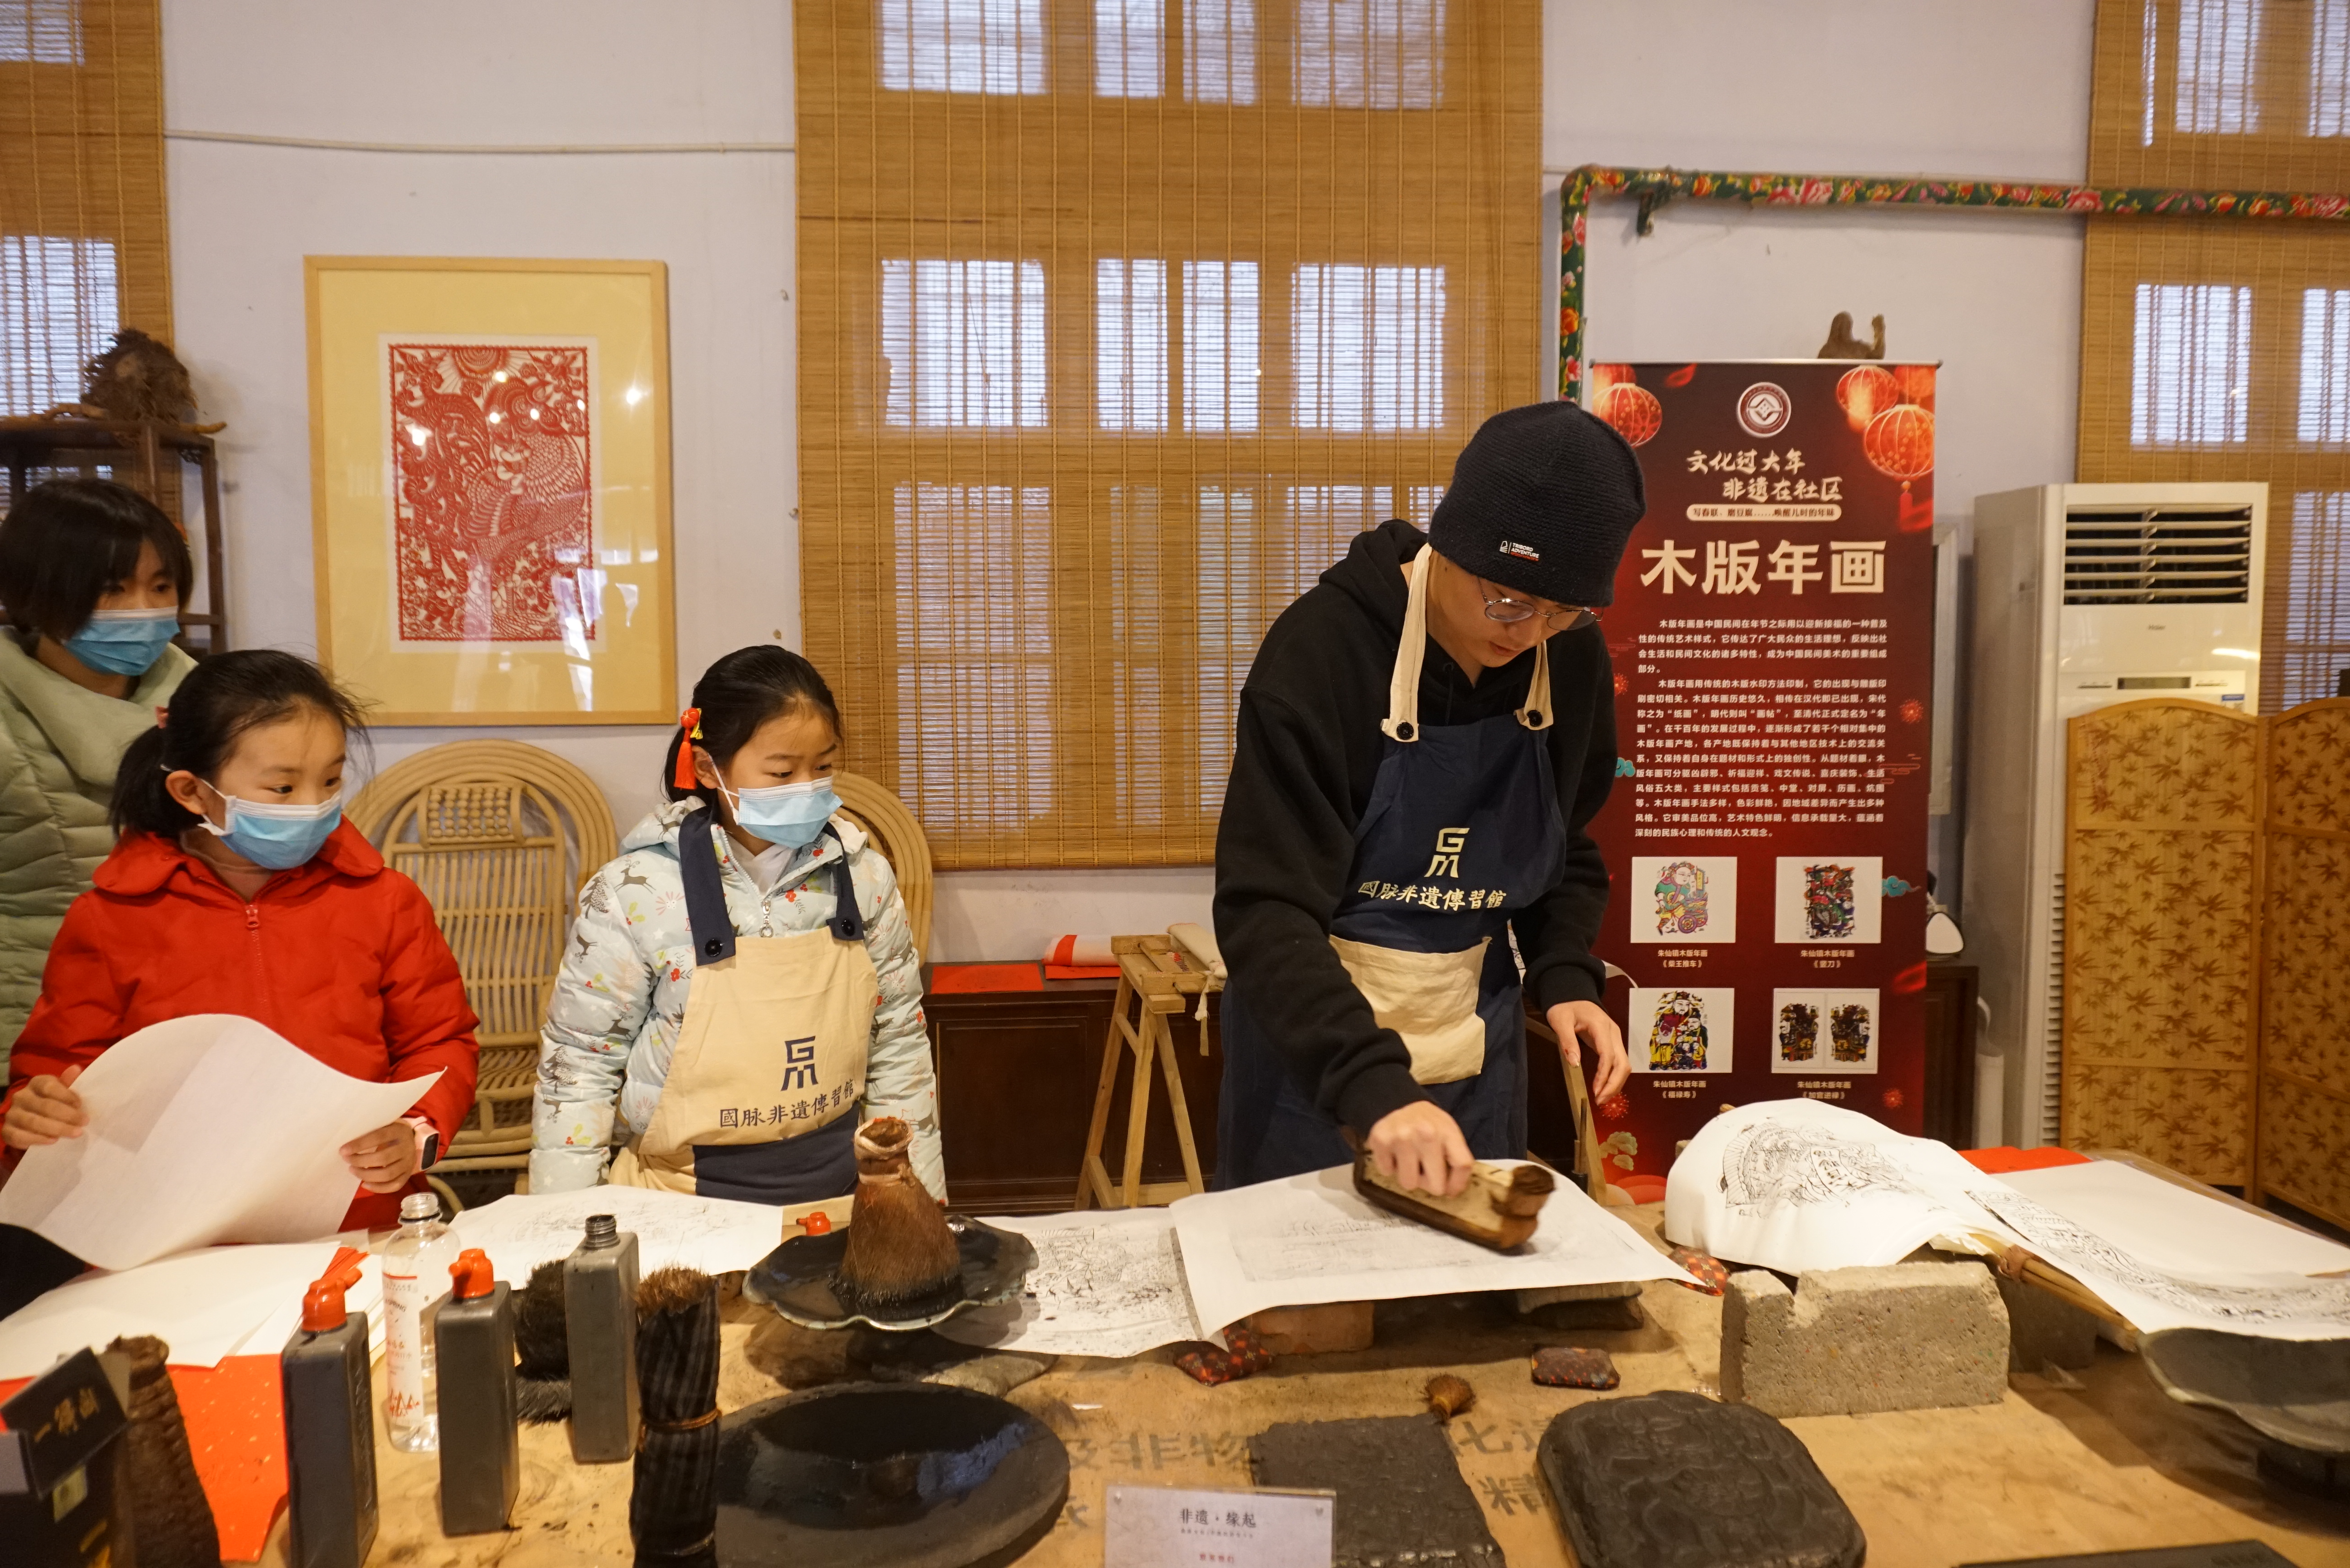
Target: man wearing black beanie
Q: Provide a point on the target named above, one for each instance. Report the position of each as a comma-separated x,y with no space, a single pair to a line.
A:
1421,741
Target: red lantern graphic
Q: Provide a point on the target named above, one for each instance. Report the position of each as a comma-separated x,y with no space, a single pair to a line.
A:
1900,443
1633,409
1915,383
1864,392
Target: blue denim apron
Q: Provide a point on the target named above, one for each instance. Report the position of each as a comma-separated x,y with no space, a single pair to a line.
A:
1461,830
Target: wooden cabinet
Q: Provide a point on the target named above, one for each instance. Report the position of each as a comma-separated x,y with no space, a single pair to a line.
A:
1017,1071
1951,1053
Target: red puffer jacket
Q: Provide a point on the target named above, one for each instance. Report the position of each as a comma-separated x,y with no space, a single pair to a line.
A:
340,955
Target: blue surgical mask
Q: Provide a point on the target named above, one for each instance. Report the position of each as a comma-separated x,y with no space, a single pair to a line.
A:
124,642
791,813
276,837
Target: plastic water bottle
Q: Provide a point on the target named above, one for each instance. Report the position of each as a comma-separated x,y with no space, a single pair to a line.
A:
415,1274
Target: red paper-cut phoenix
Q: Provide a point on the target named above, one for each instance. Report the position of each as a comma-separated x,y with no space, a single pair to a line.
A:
492,509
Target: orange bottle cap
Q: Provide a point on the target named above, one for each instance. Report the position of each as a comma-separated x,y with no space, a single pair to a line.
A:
322,1307
817,1223
472,1275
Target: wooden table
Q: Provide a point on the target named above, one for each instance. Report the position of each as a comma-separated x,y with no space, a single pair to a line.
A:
2106,1465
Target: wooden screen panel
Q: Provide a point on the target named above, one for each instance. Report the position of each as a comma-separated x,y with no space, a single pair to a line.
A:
2161,939
2305,1143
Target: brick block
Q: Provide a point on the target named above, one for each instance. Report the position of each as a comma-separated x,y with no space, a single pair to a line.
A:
1323,1330
1908,1337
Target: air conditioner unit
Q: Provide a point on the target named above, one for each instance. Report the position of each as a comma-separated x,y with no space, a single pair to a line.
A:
2085,595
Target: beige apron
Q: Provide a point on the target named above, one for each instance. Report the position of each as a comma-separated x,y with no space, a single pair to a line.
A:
773,1046
1430,998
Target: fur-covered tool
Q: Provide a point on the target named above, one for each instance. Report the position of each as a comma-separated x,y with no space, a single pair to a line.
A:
900,1258
1499,1207
158,1503
1449,1395
673,1510
542,1348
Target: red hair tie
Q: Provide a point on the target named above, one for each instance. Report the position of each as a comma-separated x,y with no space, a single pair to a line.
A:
690,722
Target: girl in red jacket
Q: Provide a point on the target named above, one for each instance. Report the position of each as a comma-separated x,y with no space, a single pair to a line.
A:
237,887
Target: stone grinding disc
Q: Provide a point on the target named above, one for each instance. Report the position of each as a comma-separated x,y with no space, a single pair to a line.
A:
885,1475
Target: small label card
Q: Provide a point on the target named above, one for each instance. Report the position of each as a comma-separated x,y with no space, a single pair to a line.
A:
1166,1527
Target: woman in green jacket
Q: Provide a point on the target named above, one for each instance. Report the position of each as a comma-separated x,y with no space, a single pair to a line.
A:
93,577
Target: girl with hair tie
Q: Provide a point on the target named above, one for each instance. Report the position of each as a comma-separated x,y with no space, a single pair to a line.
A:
741,979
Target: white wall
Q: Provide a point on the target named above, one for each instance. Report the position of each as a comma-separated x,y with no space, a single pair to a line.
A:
1998,87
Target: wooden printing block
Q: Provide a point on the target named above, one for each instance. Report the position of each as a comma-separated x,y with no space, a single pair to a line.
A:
1313,1330
1499,1208
1400,1497
1676,1480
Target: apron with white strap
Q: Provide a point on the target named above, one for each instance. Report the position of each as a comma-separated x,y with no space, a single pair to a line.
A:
1461,831
760,1103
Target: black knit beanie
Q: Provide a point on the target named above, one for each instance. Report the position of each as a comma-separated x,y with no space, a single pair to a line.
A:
1541,502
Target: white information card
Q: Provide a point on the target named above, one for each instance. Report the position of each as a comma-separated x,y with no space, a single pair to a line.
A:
1162,1526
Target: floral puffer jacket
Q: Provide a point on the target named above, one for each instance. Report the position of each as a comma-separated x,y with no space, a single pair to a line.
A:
620,998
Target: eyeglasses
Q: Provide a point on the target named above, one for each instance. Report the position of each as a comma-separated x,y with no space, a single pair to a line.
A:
1510,611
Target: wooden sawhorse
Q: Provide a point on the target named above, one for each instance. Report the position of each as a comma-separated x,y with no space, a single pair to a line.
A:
1154,984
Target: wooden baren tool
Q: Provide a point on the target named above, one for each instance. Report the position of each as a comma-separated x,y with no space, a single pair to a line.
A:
1499,1208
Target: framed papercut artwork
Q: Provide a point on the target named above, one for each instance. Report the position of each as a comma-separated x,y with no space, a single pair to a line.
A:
489,484
1684,898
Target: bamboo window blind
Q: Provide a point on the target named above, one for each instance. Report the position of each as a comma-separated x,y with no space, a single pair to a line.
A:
84,249
1118,320
2216,349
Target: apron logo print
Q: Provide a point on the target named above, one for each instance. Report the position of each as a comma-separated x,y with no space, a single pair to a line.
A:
799,1063
1447,860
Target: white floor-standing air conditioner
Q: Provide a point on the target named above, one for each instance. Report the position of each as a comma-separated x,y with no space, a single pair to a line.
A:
2085,595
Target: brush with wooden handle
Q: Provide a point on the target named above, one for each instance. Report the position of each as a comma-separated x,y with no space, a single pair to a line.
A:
1499,1208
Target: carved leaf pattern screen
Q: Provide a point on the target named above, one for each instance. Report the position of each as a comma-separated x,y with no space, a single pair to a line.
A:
2305,1097
1118,320
2219,349
2162,938
83,249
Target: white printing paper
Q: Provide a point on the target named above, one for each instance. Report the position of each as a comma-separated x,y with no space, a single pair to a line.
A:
207,1129
716,1235
1310,1239
205,1305
1107,1282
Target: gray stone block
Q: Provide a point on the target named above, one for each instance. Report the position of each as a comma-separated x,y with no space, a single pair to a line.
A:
1908,1337
2044,1329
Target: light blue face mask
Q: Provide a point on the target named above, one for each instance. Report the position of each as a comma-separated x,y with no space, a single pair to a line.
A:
124,642
276,837
791,813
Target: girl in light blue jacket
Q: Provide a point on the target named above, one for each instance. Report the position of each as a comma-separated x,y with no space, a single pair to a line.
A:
740,987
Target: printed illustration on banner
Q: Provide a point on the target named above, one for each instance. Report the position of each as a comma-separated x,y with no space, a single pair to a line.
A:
1681,1029
1828,899
492,458
1684,898
1823,1032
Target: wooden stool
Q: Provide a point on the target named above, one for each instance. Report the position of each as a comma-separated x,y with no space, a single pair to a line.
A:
1154,980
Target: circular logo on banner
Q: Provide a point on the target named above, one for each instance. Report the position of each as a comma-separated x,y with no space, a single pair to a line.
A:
1763,408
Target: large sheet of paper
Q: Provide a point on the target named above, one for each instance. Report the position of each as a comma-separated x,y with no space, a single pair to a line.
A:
206,1129
2170,1227
1795,1184
1311,1238
206,1305
1107,1282
712,1234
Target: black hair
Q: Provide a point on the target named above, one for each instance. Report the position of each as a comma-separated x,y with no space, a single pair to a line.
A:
65,543
742,692
221,698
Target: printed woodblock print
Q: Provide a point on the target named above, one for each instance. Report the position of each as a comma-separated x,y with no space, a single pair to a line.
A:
494,495
1685,899
1685,1029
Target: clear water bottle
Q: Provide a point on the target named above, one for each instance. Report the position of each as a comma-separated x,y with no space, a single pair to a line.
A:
415,1274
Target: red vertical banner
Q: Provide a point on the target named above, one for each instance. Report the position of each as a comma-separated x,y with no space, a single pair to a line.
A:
1772,639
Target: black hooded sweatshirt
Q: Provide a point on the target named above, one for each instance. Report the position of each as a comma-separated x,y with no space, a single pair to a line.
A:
1307,746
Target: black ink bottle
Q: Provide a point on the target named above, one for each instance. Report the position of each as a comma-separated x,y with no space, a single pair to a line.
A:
473,1347
599,1314
329,1430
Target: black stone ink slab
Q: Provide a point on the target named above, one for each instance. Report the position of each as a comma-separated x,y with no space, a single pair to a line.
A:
2219,1554
1676,1480
1400,1496
896,1475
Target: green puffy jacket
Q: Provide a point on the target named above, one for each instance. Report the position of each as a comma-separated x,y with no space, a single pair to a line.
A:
59,746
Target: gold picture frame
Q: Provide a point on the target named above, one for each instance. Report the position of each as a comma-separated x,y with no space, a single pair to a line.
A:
490,488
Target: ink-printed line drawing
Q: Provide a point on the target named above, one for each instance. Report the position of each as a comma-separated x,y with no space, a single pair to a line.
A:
1681,1029
1828,899
1684,898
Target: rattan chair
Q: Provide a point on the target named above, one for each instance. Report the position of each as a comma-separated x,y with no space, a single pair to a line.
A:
901,842
500,836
